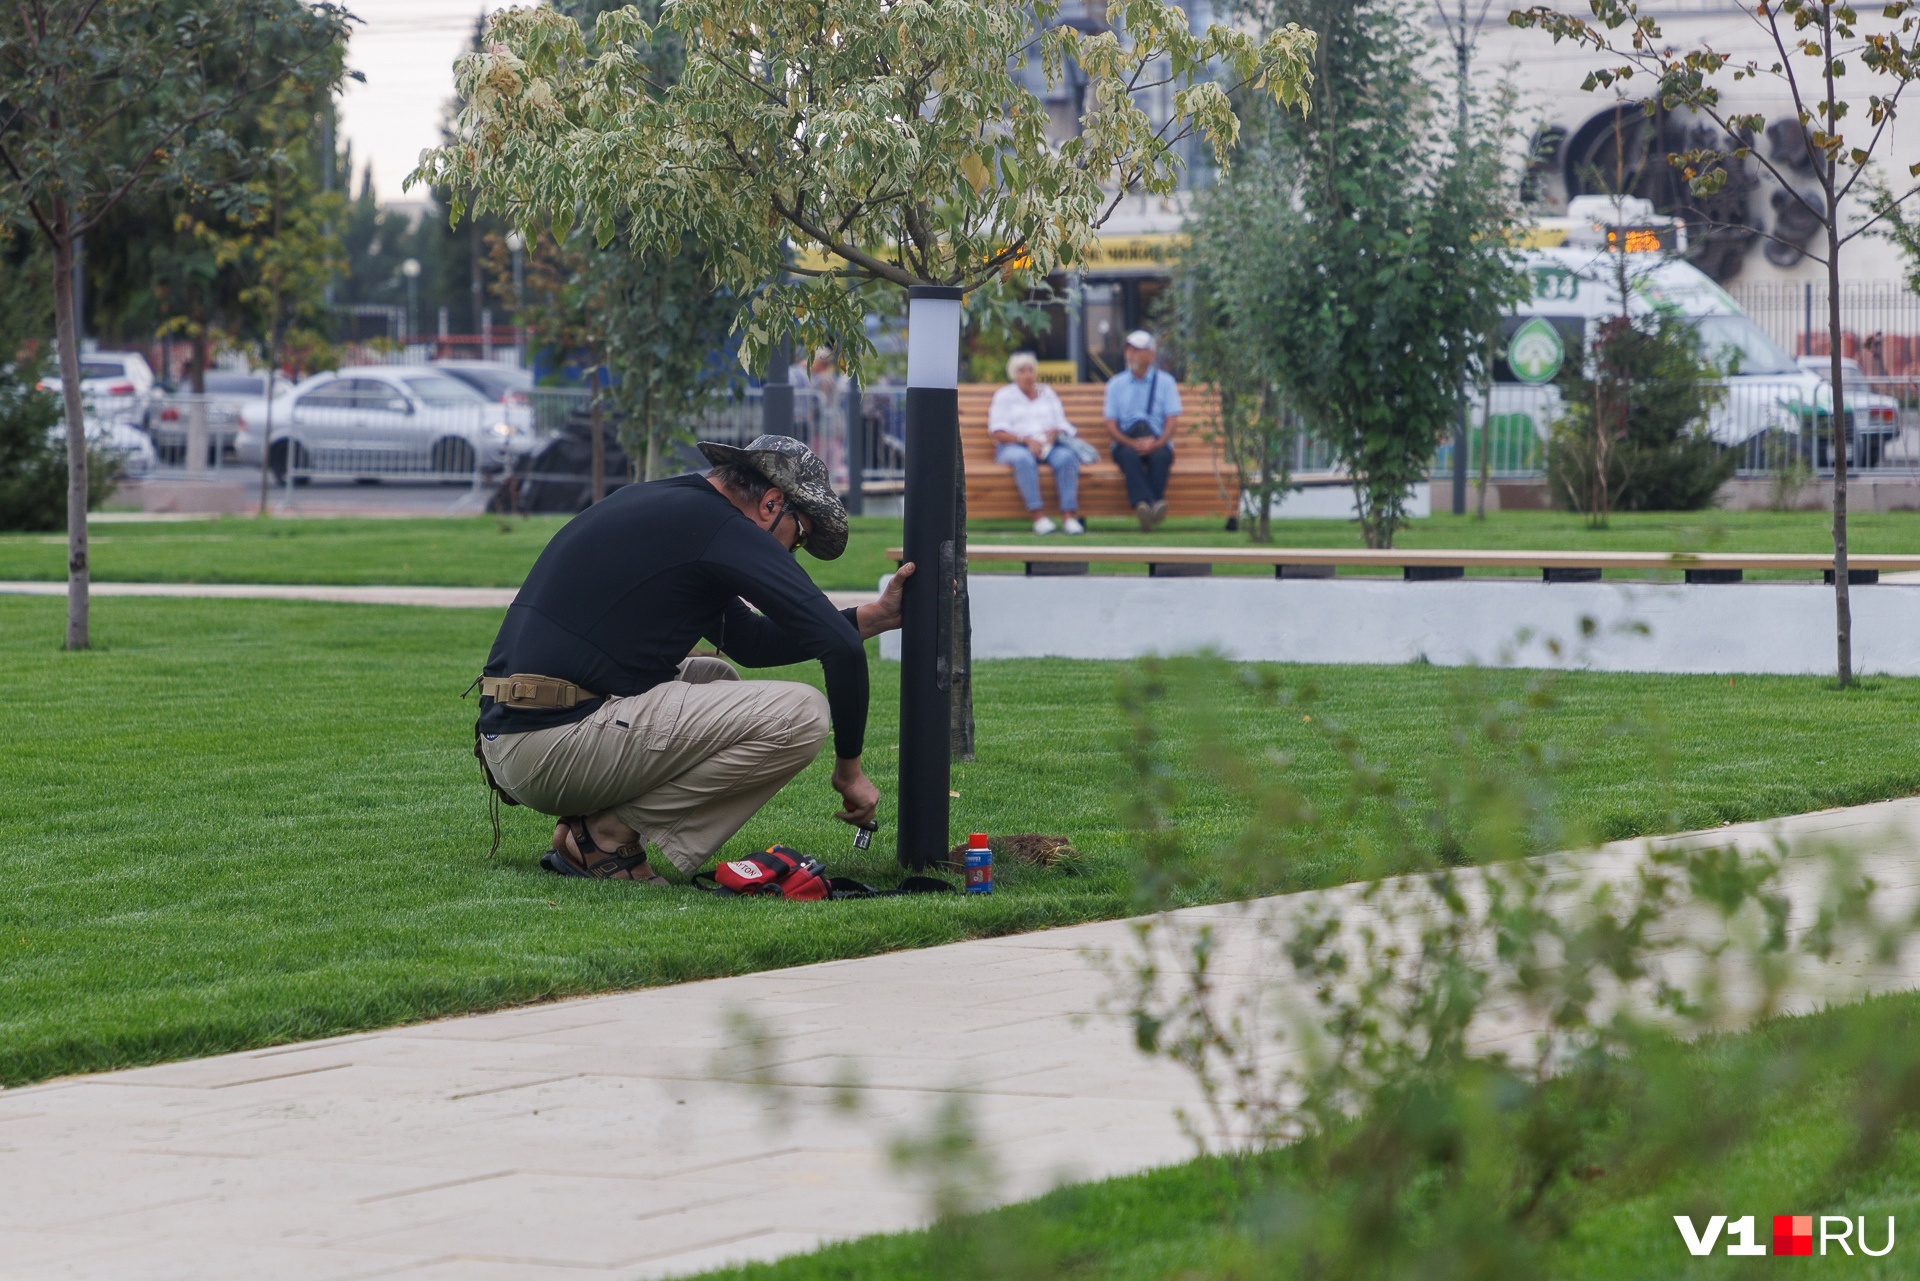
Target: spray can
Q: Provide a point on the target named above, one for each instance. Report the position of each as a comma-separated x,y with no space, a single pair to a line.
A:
979,864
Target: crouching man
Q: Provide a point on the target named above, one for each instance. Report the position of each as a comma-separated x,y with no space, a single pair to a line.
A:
590,708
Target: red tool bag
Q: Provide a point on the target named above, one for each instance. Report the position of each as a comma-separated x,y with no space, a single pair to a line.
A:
777,871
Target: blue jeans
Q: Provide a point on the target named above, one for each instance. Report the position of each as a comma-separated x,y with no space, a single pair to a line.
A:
1026,473
1146,474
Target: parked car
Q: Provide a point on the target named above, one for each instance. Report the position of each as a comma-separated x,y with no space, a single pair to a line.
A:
116,385
507,386
122,440
227,393
369,422
1772,403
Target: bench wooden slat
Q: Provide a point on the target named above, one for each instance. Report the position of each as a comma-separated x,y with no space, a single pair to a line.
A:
1202,482
1355,557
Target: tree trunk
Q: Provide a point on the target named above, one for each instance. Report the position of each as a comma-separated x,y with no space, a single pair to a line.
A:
68,336
1842,603
266,439
960,662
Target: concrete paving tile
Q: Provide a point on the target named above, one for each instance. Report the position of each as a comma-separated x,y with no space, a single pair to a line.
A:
227,1261
559,1221
762,1247
22,1248
477,1269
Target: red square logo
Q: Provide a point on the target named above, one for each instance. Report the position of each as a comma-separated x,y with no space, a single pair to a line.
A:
1793,1234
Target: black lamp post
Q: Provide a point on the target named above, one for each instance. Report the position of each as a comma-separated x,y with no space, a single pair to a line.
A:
926,634
776,395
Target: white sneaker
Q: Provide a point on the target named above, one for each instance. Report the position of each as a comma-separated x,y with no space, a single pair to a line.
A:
1074,526
1044,526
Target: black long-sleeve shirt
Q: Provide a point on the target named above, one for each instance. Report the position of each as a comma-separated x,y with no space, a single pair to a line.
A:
625,589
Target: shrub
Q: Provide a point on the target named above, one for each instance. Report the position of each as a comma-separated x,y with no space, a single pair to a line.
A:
1634,434
33,457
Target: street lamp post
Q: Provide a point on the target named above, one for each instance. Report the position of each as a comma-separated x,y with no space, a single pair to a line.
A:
411,270
926,636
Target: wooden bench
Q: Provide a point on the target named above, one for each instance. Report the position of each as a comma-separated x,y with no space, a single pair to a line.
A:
1202,482
1430,563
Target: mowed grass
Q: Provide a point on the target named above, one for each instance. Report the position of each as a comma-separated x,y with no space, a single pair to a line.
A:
1217,1220
242,823
489,552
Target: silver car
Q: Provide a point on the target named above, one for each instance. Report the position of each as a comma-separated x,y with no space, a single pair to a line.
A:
114,385
373,422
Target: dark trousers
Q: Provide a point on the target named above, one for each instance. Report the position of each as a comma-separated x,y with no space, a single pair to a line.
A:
1146,473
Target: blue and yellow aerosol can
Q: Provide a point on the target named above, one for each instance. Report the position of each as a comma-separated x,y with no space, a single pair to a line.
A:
979,864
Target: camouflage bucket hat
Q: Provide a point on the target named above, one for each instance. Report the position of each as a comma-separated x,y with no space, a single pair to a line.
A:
799,474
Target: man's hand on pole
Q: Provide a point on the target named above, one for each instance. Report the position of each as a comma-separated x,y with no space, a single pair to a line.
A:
883,615
858,796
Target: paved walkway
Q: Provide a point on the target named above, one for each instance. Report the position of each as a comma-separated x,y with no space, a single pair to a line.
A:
585,1139
446,597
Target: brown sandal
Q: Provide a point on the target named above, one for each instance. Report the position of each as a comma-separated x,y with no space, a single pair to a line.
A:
575,854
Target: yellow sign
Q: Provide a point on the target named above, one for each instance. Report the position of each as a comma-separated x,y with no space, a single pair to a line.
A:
1136,252
1152,252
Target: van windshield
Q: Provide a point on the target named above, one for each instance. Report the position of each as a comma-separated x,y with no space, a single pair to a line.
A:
1739,346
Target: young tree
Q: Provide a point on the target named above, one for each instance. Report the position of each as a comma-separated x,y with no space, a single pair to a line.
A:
667,341
1370,249
108,99
1814,44
670,316
1255,429
287,252
899,137
1634,434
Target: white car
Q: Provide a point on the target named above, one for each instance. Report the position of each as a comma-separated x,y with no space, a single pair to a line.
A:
227,393
372,422
116,385
122,440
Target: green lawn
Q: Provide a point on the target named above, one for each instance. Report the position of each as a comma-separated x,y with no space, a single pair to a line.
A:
239,823
486,552
1209,1220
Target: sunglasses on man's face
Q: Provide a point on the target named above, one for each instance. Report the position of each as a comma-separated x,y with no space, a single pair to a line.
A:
799,526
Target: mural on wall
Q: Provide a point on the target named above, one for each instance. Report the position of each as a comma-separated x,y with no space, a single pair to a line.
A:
1625,150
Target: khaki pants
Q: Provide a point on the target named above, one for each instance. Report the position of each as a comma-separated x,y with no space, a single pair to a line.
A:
685,764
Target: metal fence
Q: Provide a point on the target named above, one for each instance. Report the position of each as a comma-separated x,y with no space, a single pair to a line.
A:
822,422
1879,319
1775,424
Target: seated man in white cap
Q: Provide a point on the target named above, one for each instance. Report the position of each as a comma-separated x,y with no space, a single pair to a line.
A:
1142,413
591,709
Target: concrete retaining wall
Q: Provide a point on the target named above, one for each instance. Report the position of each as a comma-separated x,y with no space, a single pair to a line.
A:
1780,628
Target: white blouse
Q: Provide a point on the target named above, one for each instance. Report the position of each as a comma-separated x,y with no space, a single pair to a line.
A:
1011,411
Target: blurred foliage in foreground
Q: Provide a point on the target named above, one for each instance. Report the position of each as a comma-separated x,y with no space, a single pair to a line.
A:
1469,1064
1468,1047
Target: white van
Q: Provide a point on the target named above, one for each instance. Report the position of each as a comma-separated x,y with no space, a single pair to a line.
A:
1773,405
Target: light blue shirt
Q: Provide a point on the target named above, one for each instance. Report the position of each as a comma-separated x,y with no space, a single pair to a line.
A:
1127,399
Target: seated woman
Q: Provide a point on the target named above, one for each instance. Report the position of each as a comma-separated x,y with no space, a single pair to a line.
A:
1029,427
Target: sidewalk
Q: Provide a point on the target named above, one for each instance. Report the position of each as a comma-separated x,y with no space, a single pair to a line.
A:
585,1139
445,597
